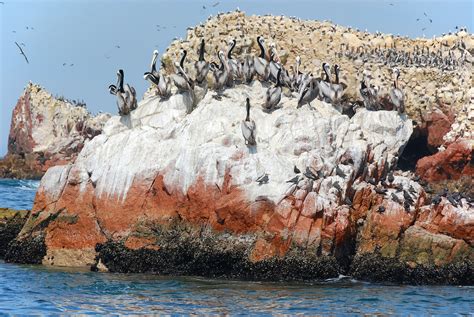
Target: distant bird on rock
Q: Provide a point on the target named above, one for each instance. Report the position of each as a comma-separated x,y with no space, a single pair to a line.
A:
248,127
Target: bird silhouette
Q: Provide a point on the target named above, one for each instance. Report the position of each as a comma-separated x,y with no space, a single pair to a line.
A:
22,53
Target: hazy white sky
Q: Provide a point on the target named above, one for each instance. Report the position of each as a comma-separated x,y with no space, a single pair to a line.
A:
86,33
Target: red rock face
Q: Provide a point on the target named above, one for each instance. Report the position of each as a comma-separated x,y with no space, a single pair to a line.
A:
437,125
33,126
452,163
20,139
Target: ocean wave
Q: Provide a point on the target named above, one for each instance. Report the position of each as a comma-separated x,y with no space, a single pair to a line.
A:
28,185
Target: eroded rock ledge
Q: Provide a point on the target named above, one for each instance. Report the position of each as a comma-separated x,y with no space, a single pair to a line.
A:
165,192
46,131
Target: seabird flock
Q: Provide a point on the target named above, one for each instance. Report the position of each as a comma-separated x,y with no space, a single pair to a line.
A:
265,67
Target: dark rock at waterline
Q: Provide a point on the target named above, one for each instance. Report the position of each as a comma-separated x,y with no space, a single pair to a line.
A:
11,222
30,250
375,268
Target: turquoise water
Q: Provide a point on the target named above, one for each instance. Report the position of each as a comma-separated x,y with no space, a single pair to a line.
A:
26,289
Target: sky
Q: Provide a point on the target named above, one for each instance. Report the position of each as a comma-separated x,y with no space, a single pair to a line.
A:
100,36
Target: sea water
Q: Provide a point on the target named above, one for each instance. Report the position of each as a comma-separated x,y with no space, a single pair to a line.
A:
35,289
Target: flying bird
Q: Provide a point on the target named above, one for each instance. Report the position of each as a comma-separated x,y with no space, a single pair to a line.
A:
64,64
391,4
431,21
204,7
216,4
22,53
425,14
117,46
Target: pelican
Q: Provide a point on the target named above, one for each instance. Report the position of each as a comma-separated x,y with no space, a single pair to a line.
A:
184,84
180,78
308,92
326,91
248,70
126,95
396,95
248,128
220,73
260,62
159,80
273,94
234,66
202,67
338,87
273,65
297,75
369,95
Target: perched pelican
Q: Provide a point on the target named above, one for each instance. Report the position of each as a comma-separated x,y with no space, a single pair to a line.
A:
184,85
248,70
126,95
180,78
202,67
273,94
326,91
273,65
260,62
308,92
369,95
220,73
338,87
396,95
297,75
248,128
235,67
159,80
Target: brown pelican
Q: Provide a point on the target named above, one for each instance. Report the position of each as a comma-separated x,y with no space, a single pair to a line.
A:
273,65
260,62
248,70
220,73
235,68
248,127
180,78
159,80
184,85
338,87
326,91
202,67
396,95
273,94
126,95
308,92
369,95
297,75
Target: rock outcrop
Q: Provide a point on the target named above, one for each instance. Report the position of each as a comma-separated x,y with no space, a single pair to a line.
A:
174,193
11,223
322,41
46,131
426,88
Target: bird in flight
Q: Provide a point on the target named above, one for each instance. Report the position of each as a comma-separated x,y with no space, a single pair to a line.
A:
117,46
64,64
391,4
216,4
425,14
204,7
22,53
431,21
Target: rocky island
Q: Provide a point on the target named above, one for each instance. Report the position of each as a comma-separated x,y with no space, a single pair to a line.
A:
167,190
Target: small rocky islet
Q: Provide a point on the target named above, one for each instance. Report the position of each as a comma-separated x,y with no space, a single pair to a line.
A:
171,187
